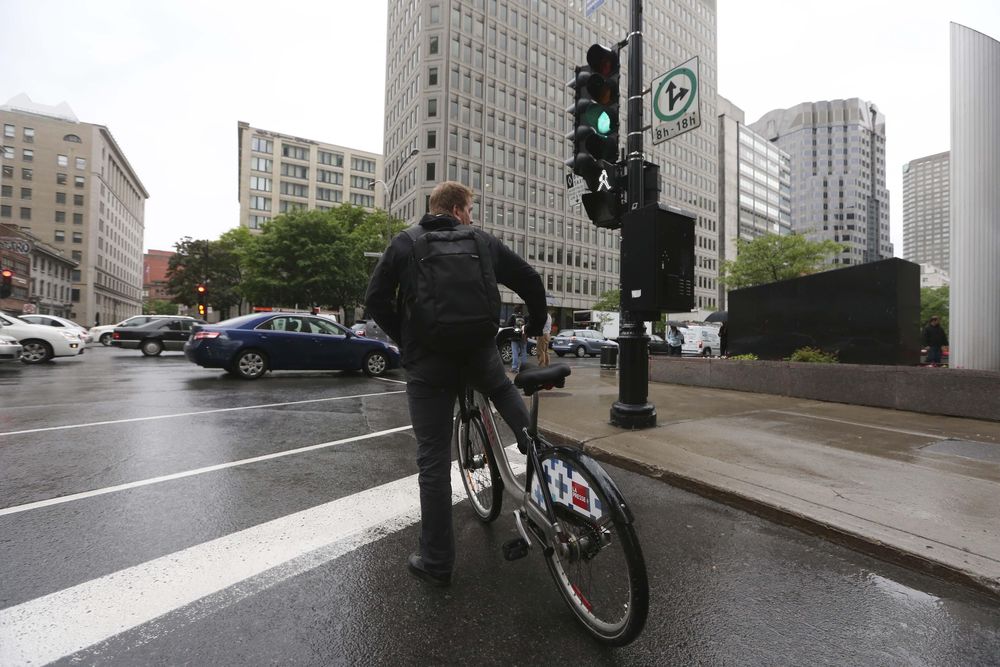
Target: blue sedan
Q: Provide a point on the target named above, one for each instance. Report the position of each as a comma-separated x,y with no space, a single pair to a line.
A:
251,345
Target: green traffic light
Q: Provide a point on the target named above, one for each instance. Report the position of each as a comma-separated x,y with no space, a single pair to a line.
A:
604,123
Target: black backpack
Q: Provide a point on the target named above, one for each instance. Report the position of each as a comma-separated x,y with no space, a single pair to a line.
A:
453,300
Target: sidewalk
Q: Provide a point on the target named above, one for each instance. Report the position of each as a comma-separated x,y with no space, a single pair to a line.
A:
881,481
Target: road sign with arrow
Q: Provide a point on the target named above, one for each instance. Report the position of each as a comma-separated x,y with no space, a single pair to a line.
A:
676,103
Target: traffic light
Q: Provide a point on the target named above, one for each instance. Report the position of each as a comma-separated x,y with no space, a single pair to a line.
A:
595,115
202,299
7,286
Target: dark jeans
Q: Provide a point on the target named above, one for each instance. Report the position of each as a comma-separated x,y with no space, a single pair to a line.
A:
674,351
934,354
431,392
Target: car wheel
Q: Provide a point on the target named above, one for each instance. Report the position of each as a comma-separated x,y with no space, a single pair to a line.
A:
506,353
707,352
35,351
250,364
532,350
581,352
106,339
151,347
375,364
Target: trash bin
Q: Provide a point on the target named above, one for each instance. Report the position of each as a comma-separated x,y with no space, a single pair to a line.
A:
609,356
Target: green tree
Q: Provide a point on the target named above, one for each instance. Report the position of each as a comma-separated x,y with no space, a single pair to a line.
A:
215,264
934,301
609,300
306,258
771,257
159,307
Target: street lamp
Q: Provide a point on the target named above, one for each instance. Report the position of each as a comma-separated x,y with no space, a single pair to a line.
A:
392,191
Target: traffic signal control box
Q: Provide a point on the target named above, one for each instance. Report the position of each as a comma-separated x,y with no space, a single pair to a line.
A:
657,261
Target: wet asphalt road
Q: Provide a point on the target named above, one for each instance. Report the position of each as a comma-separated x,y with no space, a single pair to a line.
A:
727,588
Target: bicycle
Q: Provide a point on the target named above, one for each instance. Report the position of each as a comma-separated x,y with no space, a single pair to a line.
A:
578,519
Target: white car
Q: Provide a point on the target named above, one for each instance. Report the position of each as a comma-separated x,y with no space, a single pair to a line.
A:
104,332
59,323
40,343
10,349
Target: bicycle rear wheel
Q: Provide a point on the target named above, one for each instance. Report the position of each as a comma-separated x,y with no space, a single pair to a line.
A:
480,476
599,570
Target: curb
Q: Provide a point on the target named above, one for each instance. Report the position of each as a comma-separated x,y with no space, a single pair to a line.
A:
782,515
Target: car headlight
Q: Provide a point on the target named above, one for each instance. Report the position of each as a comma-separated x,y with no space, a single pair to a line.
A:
70,336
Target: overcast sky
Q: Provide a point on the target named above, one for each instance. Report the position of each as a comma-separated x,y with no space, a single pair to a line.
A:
171,79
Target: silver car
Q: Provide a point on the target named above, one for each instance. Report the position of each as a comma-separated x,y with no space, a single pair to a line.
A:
581,342
59,323
10,349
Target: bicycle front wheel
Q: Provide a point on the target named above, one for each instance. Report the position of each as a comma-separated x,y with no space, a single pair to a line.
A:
599,569
480,476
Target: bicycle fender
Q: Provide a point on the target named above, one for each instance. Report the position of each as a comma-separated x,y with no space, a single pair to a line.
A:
607,485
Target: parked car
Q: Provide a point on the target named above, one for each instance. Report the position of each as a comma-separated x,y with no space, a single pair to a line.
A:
40,343
700,341
10,349
155,336
504,336
251,345
581,342
59,323
657,345
370,329
103,333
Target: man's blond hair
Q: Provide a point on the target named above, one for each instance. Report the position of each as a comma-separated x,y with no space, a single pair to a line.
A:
446,195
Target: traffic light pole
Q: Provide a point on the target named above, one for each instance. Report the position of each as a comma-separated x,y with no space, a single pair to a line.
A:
632,409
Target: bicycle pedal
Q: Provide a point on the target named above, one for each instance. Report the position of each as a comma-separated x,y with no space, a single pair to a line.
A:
515,548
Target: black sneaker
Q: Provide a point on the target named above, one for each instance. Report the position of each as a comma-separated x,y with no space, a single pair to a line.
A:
417,568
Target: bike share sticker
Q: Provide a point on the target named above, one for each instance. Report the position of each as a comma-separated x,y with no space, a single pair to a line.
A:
568,488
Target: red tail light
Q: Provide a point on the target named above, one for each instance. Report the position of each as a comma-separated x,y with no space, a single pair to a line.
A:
207,334
116,335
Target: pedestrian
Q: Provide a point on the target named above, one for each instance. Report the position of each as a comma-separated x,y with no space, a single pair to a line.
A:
675,341
519,343
724,339
438,359
543,341
934,338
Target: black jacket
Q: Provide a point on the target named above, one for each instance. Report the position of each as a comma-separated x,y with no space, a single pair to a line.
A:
935,335
388,284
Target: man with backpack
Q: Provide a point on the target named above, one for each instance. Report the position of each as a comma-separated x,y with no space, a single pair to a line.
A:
519,342
435,293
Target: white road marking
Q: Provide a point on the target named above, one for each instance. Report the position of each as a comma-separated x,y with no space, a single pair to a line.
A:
59,624
389,380
189,473
200,412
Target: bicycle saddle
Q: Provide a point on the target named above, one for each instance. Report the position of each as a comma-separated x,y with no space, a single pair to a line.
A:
532,379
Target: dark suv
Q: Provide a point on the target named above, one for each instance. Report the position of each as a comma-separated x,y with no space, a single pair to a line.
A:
155,336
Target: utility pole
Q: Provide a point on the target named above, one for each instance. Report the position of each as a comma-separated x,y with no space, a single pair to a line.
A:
632,409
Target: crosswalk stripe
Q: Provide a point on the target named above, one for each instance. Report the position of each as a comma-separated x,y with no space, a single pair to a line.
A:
51,627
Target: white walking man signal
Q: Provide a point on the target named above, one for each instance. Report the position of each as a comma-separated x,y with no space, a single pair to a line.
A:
603,184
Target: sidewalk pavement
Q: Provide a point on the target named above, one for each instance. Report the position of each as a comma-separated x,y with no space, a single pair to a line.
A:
915,489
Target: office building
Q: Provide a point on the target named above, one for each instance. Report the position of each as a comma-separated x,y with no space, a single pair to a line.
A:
926,211
478,87
154,275
974,311
71,185
280,173
754,185
837,151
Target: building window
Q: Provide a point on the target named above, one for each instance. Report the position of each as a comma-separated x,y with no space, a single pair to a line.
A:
77,237
362,182
27,155
25,193
8,171
367,201
294,189
78,218
257,221
329,194
78,181
8,131
72,138
260,183
432,107
6,191
27,174
25,213
62,160
288,206
432,76
61,179
60,236
431,139
4,211
77,200
294,152
430,171
60,216
261,145
361,164
60,197
433,48
327,176
81,163
77,256
260,203
294,170
8,152
260,164
29,135
331,159
435,14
